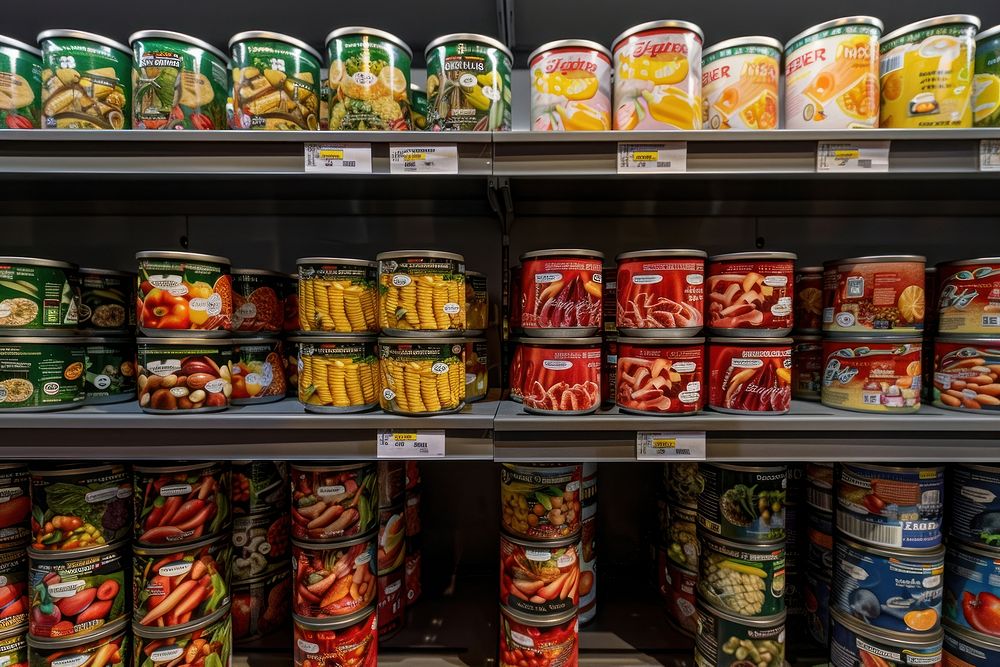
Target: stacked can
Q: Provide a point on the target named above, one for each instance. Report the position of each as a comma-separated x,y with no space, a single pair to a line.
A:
887,586
588,544
335,561
477,321
391,547
261,580
678,549
15,534
742,574
541,578
78,561
818,549
414,557
258,367
807,345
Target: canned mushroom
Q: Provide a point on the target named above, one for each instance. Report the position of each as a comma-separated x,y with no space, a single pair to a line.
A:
750,293
476,369
660,293
739,79
868,374
855,643
422,377
727,640
38,295
468,83
561,292
110,376
179,375
211,643
337,295
76,508
107,301
750,375
966,372
257,304
421,293
878,294
969,649
351,641
540,502
110,645
334,580
561,375
182,291
337,374
260,605
969,295
745,504
571,86
331,502
539,578
21,82
747,580
477,306
551,641
258,374
369,80
41,374
660,376
807,367
179,504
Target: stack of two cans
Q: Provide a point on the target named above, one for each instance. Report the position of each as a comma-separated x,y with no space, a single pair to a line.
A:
677,547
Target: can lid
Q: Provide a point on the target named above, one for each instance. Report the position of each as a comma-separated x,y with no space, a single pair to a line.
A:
469,37
665,252
143,550
561,342
187,256
274,37
967,338
82,34
270,578
325,467
930,556
18,44
871,259
256,340
326,338
64,469
756,40
724,340
966,262
540,544
931,640
744,546
107,338
735,256
842,337
809,269
174,467
146,341
743,468
147,632
836,23
806,338
90,271
41,554
433,254
44,340
336,260
339,544
569,43
373,32
36,261
659,342
443,340
475,339
654,25
948,19
539,621
563,252
258,272
79,640
953,629
474,274
178,37
985,34
334,623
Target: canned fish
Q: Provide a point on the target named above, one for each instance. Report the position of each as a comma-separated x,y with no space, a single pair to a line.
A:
182,291
555,639
258,374
854,643
111,375
332,642
808,303
40,374
369,80
540,578
561,292
743,503
179,375
540,502
38,295
571,86
974,505
337,374
324,575
276,82
660,293
86,81
750,293
968,300
422,377
986,82
561,375
739,81
966,373
971,600
963,648
750,375
807,367
21,82
107,301
722,638
80,508
660,376
468,83
874,295
742,579
421,293
868,374
819,486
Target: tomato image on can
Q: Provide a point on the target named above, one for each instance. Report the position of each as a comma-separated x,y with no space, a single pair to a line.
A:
750,293
21,83
561,292
986,81
182,291
571,86
548,641
15,505
660,376
14,604
970,599
351,641
660,292
877,294
968,296
180,504
561,375
739,83
967,373
750,375
868,374
276,82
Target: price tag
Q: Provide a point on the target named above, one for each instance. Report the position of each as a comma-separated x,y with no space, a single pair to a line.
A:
409,444
339,158
657,446
652,158
852,156
989,155
415,159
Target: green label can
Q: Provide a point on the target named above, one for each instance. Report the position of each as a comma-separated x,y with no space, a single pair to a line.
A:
986,81
107,300
725,640
276,81
38,294
468,83
20,85
38,374
86,81
369,80
178,82
742,579
14,647
418,107
110,375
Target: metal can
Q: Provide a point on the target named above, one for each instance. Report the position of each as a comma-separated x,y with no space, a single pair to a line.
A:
721,635
38,295
872,374
660,293
182,291
660,376
183,375
477,306
807,367
257,307
477,380
337,295
561,292
107,301
290,302
974,504
588,544
15,506
337,374
21,82
421,293
325,501
819,486
180,504
41,374
391,601
971,600
111,375
334,642
412,512
681,539
747,580
258,374
561,375
291,365
556,638
548,492
854,643
609,370
259,486
418,107
750,375
391,483
162,647
679,589
261,605
739,82
968,296
14,591
819,537
540,578
682,483
369,80
571,86
874,295
808,302
111,641
963,648
745,504
334,580
816,594
78,507
750,293
14,647
516,370
966,372
468,83
260,544
422,377
412,568
391,537
986,82
609,299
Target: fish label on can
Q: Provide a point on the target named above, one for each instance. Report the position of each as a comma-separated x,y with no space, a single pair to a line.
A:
862,297
275,86
870,375
21,88
740,88
853,644
974,505
744,504
35,297
971,591
966,374
86,85
177,86
571,89
986,83
468,87
969,297
41,376
369,83
743,579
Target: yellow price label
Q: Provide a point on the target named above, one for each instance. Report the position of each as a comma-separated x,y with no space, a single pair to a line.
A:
412,437
847,154
334,154
664,443
645,156
413,157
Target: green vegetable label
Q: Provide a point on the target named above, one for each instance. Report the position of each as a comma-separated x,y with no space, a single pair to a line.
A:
38,297
20,89
80,510
36,376
107,301
85,85
177,86
110,374
986,83
468,87
369,81
743,505
418,109
275,86
722,642
742,580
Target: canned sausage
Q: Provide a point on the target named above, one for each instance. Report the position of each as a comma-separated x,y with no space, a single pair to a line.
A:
331,502
750,375
391,537
742,579
352,640
750,293
561,292
540,502
868,374
571,86
969,296
745,504
723,637
515,371
337,295
539,578
878,294
854,643
609,370
561,375
739,80
807,367
660,293
660,376
609,300
421,293
808,299
967,373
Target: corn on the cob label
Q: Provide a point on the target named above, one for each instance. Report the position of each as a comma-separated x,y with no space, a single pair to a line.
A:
422,377
275,86
468,87
421,294
178,86
743,579
86,85
20,88
338,298
338,376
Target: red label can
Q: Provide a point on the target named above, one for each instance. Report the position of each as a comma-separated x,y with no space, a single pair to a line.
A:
561,375
661,292
561,292
540,578
677,586
514,317
749,375
391,602
750,293
323,572
807,367
967,373
809,299
551,640
412,571
868,374
660,376
969,296
882,294
515,374
609,369
349,641
610,277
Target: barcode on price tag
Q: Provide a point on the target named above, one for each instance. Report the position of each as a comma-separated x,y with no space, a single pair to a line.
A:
989,155
433,159
836,156
409,444
669,156
660,446
338,158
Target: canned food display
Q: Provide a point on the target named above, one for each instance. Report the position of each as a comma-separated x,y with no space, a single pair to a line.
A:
276,82
391,602
110,643
422,377
476,370
162,647
970,599
868,374
418,107
540,578
468,83
330,502
260,544
14,604
963,648
540,502
681,540
257,306
683,484
974,504
832,75
352,640
986,80
678,587
660,376
182,291
739,81
337,374
561,375
808,302
421,293
477,306
15,505
926,73
337,295
561,292
609,299
550,640
179,504
807,367
178,375
260,605
180,82
391,537
21,82
882,294
968,295
44,373
727,640
258,374
334,580
854,643
745,504
38,295
750,293
570,86
819,533
78,507
110,376
86,81
369,80
657,76
107,301
966,372
742,579
750,375
660,292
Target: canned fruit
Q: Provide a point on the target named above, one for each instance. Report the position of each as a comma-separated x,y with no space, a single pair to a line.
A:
966,373
872,374
14,604
561,376
210,645
739,80
421,292
986,81
38,295
971,598
258,374
86,81
21,86
546,642
477,303
108,646
540,502
15,506
831,75
660,292
750,294
334,580
682,544
391,538
807,367
179,375
182,292
663,376
106,299
969,296
78,508
866,294
422,377
967,649
853,643
741,503
391,602
468,83
539,578
725,640
337,295
110,376
476,370
40,374
974,505
926,73
180,504
678,587
261,605
337,374
369,80
276,82
570,86
353,642
746,580
178,82
333,502
561,292
260,544
257,301
750,375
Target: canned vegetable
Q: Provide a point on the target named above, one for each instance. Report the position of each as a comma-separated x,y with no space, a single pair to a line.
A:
110,643
86,81
107,301
38,295
369,80
21,82
110,376
745,504
276,82
41,374
747,580
421,293
179,504
325,574
422,377
260,544
163,647
331,502
468,83
750,293
178,375
78,508
337,295
258,373
540,578
257,306
180,292
540,502
352,640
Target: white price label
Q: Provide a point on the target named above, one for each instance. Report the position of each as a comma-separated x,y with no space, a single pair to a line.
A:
658,446
989,155
413,159
409,444
852,156
339,158
655,158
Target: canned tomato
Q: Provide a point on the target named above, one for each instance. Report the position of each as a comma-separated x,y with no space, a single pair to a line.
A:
986,82
74,595
963,648
337,295
750,375
743,503
816,595
179,375
561,292
259,486
926,73
874,294
369,80
258,374
107,301
660,293
391,537
182,291
657,80
257,306
966,372
974,504
76,508
337,374
86,81
110,643
742,579
38,295
14,648
418,107
679,589
477,307
260,544
831,75
334,580
421,293
561,375
14,605
422,377
681,540
808,302
351,641
570,86
412,570
727,640
476,369
180,82
609,370
540,502
276,82
330,502
660,376
110,376
868,374
855,643
551,640
178,586
21,82
161,647
540,578
468,83
260,605
391,483
750,293
41,374
894,507
180,504
971,600
739,82
391,601
969,295
683,483
807,367
15,505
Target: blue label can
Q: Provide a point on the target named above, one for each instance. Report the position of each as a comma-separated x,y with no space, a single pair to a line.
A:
972,588
974,505
963,648
854,644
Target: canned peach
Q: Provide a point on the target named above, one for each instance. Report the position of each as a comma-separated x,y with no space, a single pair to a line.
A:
739,81
969,296
571,86
868,374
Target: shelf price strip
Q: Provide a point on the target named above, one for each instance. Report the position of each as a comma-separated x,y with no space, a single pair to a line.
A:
425,444
339,158
663,157
666,446
989,155
854,156
415,159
